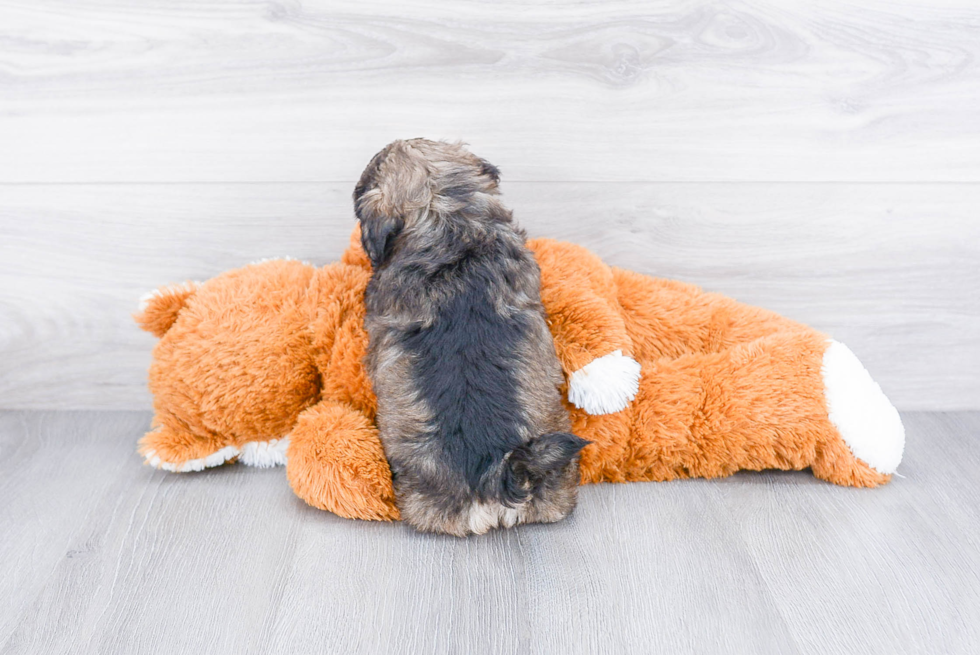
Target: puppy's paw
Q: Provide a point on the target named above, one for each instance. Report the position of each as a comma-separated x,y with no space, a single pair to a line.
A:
605,385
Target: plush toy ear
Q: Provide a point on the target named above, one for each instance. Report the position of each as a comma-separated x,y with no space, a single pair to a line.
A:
378,237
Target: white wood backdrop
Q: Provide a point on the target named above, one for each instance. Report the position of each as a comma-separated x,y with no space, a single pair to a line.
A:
820,160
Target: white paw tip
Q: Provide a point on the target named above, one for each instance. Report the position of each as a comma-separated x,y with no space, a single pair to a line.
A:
148,297
214,459
265,454
266,260
856,405
605,385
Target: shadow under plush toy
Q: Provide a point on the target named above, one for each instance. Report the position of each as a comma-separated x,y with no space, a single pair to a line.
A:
264,365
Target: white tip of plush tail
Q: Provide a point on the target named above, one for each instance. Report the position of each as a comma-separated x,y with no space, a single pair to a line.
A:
605,385
856,405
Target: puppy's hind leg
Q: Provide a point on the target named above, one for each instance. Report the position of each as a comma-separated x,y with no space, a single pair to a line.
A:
541,476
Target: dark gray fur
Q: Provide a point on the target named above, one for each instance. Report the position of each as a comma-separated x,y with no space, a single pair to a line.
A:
460,355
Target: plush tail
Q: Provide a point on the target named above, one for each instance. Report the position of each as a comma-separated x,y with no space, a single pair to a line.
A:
159,308
532,465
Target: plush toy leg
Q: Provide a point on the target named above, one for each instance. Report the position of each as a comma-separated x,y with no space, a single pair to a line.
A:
666,318
755,406
336,462
178,450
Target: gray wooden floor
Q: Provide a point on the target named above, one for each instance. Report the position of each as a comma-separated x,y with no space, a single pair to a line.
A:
99,554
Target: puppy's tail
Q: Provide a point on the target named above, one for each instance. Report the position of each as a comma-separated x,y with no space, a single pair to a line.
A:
159,309
533,464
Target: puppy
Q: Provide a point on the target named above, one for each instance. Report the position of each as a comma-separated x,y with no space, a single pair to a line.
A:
460,356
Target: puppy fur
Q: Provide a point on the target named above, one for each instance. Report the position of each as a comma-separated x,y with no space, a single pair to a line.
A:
460,355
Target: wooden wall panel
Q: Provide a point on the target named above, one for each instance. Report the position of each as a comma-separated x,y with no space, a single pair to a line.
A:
632,90
890,269
822,160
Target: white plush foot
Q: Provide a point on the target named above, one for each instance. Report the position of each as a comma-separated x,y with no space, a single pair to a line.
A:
265,454
867,421
214,459
606,384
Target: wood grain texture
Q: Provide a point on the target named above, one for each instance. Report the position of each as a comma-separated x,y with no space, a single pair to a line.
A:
105,555
891,270
55,469
630,90
864,555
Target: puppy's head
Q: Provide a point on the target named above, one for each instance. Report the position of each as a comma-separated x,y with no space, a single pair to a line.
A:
411,184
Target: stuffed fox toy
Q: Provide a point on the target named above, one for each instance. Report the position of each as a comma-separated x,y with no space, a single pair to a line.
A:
264,365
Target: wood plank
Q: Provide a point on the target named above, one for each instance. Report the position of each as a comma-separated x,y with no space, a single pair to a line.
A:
638,568
231,90
891,270
162,563
108,556
55,470
228,561
894,570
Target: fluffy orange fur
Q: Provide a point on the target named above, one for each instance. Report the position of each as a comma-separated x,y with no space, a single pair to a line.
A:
275,350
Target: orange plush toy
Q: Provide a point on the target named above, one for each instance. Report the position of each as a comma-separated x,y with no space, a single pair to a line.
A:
263,365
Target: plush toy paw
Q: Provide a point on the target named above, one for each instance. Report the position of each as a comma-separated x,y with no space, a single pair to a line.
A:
180,452
264,454
337,463
856,405
177,452
605,385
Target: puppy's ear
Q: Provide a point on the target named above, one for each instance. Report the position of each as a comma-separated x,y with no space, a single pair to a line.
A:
378,228
378,237
490,170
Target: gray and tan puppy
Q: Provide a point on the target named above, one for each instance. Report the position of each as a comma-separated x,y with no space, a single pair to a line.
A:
460,355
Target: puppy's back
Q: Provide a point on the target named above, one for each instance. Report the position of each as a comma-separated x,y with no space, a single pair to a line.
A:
463,363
